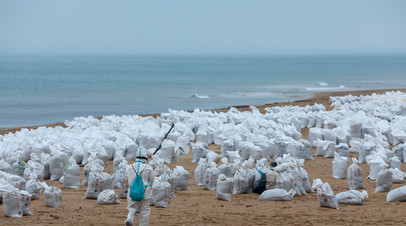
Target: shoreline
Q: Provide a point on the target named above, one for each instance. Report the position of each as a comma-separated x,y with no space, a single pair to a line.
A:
320,98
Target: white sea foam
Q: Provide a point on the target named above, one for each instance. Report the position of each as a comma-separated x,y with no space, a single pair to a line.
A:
324,88
322,83
200,96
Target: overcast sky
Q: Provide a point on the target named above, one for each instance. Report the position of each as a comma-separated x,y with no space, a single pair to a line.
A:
172,27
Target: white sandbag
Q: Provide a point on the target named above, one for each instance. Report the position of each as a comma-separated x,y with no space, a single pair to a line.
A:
352,197
17,181
233,156
93,186
210,177
326,196
305,178
123,187
5,167
284,181
119,174
339,166
227,169
53,197
375,164
107,196
18,168
271,177
32,188
161,193
12,203
199,171
55,167
224,187
182,178
297,183
131,151
268,149
343,136
202,135
399,151
366,150
397,176
212,156
26,202
355,130
199,151
170,177
77,156
281,147
354,176
343,150
241,181
167,151
71,176
34,167
395,163
314,135
397,195
277,195
228,145
329,135
325,149
384,180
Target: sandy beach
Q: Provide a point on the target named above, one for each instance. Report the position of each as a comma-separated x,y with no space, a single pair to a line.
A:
200,207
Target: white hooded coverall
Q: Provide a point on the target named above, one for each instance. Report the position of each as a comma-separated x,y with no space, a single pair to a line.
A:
141,207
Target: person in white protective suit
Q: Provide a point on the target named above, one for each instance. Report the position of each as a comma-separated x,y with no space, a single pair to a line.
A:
145,171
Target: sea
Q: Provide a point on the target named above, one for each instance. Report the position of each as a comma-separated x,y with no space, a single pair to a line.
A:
39,90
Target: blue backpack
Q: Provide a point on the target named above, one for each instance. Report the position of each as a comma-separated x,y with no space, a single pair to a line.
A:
137,187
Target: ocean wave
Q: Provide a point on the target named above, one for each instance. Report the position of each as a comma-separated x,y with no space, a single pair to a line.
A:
259,94
200,96
324,88
322,84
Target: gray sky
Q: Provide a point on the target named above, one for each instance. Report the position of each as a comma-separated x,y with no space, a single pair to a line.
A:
264,27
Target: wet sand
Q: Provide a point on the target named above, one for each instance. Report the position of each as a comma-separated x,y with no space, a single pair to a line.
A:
200,207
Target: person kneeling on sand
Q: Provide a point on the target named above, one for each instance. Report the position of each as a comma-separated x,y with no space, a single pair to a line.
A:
145,171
